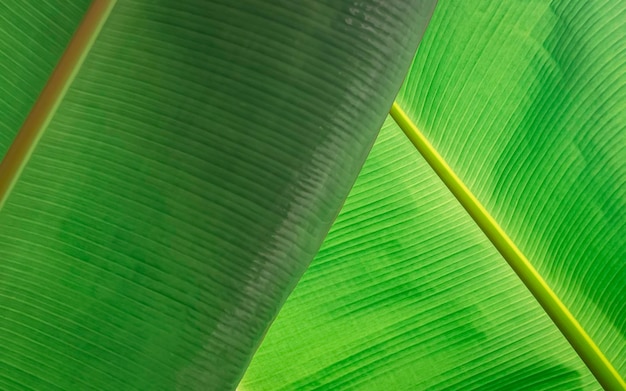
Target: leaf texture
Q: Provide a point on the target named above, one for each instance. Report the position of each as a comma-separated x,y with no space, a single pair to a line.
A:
407,294
186,180
531,114
525,100
34,35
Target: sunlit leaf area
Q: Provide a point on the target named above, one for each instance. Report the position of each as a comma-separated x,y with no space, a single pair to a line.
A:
275,195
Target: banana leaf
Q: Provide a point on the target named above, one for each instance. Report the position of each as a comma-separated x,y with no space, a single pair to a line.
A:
407,293
526,102
169,175
189,165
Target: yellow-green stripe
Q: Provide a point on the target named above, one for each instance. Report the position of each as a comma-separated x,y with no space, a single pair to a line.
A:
585,347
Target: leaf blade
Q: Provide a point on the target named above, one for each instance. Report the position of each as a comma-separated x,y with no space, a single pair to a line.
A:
407,293
552,304
490,53
43,110
185,181
34,37
530,118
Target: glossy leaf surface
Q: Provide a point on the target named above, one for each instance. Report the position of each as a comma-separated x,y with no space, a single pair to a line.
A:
186,180
533,120
407,293
525,100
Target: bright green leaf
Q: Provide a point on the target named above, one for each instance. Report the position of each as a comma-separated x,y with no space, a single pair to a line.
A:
526,102
407,294
204,147
533,120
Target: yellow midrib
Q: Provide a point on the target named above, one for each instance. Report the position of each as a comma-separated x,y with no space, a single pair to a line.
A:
51,96
586,348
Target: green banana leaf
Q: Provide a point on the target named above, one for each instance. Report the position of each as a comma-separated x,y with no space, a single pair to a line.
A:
407,293
179,171
193,164
526,101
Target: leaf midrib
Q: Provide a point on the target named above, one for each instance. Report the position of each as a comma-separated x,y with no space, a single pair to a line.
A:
51,96
569,326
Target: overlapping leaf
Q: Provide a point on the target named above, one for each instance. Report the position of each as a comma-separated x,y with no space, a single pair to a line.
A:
407,293
186,180
526,102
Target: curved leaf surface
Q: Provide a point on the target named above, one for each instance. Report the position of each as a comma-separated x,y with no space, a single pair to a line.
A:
531,114
407,294
190,173
525,101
